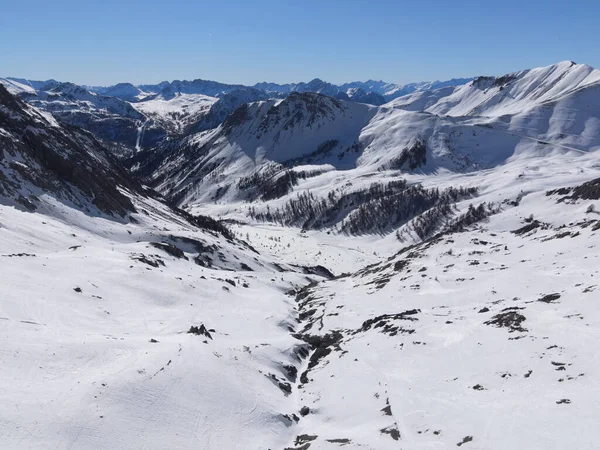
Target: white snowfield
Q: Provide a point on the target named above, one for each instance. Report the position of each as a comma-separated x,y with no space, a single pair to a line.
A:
16,87
444,361
482,338
175,113
78,314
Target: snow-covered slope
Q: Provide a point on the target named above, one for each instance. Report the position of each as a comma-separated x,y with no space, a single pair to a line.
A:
153,330
175,113
558,104
108,118
487,327
481,339
40,157
506,95
454,341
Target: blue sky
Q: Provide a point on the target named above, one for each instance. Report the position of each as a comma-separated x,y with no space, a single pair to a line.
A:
234,41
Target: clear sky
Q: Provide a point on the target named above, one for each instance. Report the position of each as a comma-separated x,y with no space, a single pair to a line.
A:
244,41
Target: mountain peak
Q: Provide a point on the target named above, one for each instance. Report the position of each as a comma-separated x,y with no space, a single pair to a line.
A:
8,100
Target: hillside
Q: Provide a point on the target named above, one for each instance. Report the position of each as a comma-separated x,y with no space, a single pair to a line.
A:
510,94
103,283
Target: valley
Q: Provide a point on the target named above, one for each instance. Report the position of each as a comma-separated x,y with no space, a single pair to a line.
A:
291,267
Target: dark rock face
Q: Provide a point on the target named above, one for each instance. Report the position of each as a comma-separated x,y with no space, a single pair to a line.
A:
392,431
170,249
465,440
510,319
411,158
550,298
527,228
62,161
586,191
200,331
381,320
319,271
322,346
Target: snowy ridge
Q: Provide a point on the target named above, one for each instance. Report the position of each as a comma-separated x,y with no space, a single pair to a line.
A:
557,104
377,89
509,94
40,157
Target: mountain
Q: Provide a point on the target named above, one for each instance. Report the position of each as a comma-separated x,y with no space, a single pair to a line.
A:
361,96
104,297
109,118
373,90
224,106
556,104
43,158
266,140
418,274
174,113
377,89
253,136
202,87
124,91
509,94
18,85
130,118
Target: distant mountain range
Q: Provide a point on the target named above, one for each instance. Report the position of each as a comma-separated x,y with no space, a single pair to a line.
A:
371,91
130,117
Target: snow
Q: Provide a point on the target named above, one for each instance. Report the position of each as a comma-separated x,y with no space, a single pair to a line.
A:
80,370
413,352
521,91
380,134
140,134
15,87
427,377
177,112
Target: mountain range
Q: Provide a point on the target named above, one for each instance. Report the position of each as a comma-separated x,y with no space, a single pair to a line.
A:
302,266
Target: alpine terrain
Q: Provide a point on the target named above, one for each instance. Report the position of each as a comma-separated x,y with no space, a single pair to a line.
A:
302,266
